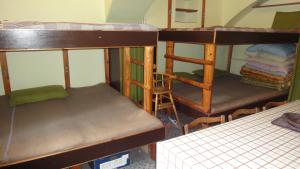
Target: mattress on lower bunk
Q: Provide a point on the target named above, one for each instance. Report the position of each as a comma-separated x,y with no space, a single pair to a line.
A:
228,93
89,116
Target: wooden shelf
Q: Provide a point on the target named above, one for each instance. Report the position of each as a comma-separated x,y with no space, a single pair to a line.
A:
186,10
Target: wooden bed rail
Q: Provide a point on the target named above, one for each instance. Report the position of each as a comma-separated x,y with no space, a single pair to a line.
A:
189,60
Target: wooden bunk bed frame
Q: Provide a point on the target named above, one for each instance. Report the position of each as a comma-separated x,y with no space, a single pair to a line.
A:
210,38
31,40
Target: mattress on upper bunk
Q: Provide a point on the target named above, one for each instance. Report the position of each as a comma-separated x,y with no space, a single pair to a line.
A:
76,26
89,116
228,93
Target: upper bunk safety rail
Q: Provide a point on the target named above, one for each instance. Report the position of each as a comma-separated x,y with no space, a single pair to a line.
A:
189,60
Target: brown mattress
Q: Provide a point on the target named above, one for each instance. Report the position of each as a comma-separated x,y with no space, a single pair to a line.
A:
89,116
228,93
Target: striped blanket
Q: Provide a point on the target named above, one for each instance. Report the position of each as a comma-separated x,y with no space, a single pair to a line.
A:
245,71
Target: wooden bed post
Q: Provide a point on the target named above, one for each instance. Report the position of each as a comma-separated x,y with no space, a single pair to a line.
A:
127,71
5,75
66,68
229,57
169,14
148,87
148,78
210,55
106,62
170,61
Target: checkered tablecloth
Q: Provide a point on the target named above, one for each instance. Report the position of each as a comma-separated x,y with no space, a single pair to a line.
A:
246,143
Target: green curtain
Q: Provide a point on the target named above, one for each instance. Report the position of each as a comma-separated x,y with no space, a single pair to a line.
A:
290,20
137,73
295,86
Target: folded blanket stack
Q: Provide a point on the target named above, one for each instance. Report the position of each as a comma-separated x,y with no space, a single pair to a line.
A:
269,65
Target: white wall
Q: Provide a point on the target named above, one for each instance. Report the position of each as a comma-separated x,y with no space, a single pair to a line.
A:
157,15
257,18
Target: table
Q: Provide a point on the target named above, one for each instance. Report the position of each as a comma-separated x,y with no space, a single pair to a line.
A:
249,142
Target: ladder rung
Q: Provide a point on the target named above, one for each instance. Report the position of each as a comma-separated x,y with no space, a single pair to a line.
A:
137,83
192,82
137,62
165,105
190,60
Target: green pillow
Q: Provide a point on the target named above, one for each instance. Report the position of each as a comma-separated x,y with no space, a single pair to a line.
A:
217,73
286,20
37,94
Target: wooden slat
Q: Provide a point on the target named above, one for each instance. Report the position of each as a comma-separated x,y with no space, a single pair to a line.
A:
148,78
66,68
137,83
137,62
192,82
229,57
186,10
189,60
210,55
5,74
107,69
190,103
127,72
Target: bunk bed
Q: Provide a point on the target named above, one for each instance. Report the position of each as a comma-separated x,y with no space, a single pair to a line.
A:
91,122
211,94
214,98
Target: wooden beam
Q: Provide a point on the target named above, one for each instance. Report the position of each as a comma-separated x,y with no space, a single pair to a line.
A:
127,71
210,55
107,69
192,82
203,13
66,68
169,61
148,78
229,57
5,74
186,10
137,62
169,14
189,60
137,83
